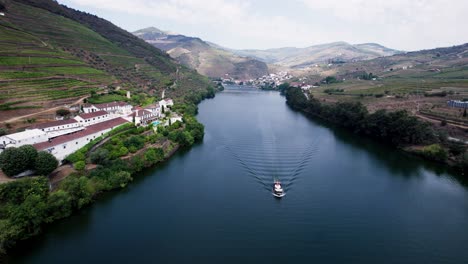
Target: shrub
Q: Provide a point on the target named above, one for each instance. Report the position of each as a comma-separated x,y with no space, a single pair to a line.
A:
79,165
100,156
63,112
59,205
435,152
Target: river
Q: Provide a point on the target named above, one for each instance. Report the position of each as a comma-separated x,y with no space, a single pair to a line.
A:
348,199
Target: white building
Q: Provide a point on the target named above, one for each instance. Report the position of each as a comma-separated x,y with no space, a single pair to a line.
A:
93,118
143,117
27,137
155,109
166,103
58,128
65,145
118,108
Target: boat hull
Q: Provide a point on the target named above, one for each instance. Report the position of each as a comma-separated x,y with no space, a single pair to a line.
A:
278,195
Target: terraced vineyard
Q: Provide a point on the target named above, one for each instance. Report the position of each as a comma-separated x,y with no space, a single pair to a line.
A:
51,56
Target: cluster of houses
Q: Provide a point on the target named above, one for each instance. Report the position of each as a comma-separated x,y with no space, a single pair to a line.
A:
274,79
63,137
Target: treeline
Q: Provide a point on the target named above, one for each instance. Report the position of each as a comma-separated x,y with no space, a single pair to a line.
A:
398,128
27,204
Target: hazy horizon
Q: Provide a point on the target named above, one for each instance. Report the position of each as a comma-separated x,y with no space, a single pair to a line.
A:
248,24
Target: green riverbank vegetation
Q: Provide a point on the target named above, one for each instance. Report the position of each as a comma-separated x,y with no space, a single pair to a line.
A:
398,128
105,164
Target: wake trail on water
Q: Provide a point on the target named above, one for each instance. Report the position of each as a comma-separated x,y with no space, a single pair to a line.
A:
268,160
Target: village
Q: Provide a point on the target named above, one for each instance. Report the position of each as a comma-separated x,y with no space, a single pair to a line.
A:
63,137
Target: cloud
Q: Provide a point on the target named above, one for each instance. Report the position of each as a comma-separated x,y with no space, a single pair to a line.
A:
224,18
418,23
400,24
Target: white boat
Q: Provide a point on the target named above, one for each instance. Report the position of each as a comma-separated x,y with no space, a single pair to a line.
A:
278,190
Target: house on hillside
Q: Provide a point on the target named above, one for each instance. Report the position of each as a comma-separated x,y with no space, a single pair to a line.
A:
116,108
93,118
65,145
19,139
144,117
155,109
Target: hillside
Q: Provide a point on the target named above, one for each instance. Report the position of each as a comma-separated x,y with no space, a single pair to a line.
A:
51,55
421,82
205,58
324,53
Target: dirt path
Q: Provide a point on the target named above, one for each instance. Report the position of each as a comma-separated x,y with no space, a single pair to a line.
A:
17,118
435,120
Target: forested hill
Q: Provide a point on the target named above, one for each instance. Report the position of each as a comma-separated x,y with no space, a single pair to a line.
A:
52,55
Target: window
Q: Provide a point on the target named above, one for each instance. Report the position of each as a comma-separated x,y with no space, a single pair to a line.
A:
77,143
64,146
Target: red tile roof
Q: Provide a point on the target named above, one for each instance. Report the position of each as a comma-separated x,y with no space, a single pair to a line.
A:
53,124
83,133
93,114
143,113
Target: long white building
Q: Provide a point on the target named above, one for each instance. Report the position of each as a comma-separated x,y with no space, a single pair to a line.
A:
63,146
93,118
116,108
19,139
58,128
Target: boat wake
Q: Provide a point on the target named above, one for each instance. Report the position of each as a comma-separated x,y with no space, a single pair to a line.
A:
268,161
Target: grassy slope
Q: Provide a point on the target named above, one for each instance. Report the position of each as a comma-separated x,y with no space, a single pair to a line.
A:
50,55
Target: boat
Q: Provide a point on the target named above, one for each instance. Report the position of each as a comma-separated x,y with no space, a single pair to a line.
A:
278,190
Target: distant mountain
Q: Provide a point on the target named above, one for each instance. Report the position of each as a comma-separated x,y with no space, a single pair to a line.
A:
324,53
449,63
207,58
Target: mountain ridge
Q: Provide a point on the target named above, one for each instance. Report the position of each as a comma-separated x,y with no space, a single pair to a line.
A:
206,58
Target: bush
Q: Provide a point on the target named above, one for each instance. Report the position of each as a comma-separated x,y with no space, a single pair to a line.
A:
59,205
100,156
154,155
45,163
79,189
435,152
79,165
63,112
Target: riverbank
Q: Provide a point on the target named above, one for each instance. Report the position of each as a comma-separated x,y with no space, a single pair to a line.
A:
397,128
28,204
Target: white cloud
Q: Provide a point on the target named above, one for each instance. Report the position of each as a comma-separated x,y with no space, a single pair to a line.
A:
400,24
231,19
419,23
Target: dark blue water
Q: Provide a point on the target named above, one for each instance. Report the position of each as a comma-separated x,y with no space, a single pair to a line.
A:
349,200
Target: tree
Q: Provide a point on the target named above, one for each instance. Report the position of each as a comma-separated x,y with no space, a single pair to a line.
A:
30,214
80,190
2,131
100,156
59,205
45,164
30,154
63,112
13,161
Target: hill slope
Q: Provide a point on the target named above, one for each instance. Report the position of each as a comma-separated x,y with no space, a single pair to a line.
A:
52,55
303,57
205,58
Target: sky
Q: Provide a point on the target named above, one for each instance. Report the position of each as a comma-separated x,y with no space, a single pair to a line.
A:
261,24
